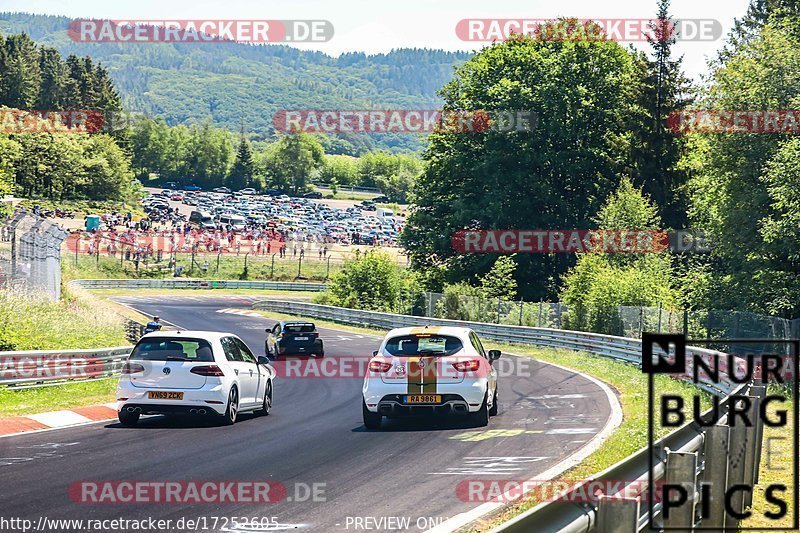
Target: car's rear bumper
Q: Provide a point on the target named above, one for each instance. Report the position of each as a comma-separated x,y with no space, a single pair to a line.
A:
393,406
300,348
170,409
192,399
389,397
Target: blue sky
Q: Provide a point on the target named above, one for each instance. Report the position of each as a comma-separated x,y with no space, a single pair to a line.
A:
378,26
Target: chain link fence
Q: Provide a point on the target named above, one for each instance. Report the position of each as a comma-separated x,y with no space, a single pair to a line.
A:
624,321
30,253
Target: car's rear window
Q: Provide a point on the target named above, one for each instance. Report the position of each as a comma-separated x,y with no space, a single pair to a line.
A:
423,344
172,349
299,328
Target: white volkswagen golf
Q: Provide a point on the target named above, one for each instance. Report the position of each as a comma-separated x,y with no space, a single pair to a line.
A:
193,373
430,369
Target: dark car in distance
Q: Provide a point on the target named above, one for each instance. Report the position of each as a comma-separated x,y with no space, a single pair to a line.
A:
293,338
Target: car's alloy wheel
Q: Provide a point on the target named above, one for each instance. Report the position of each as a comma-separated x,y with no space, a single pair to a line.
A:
233,407
371,420
495,406
267,405
128,419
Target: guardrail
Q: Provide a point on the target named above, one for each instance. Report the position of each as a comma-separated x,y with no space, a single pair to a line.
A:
691,455
195,284
41,368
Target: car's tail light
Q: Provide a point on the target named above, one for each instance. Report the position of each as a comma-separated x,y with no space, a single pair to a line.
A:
379,366
132,368
467,366
207,370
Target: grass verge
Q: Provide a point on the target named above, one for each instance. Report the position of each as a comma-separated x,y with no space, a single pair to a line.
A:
31,401
776,465
30,321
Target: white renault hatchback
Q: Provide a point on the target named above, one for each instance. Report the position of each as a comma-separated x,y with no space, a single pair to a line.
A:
430,369
193,373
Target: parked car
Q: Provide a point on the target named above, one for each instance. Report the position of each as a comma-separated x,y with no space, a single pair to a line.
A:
313,194
192,187
381,200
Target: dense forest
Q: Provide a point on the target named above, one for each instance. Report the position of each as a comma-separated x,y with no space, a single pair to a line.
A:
225,83
102,164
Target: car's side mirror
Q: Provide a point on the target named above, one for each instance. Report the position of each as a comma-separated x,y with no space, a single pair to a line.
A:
494,355
263,360
374,353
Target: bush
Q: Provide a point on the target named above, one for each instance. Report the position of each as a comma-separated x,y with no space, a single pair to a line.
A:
372,281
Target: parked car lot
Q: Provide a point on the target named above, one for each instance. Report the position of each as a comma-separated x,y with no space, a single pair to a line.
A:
298,219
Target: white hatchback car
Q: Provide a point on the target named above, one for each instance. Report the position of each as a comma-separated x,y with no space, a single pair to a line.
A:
430,369
193,373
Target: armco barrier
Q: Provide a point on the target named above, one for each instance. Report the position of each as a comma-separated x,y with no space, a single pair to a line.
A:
691,454
195,284
41,368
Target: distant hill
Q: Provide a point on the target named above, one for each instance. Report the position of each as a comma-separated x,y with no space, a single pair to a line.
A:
223,83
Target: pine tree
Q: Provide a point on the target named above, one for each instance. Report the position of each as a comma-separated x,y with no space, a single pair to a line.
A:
242,173
54,80
658,150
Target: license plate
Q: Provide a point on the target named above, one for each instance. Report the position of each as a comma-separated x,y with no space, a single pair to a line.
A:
423,398
161,395
301,338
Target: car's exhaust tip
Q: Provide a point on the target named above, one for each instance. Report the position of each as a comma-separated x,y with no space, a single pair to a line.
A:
201,411
134,409
192,411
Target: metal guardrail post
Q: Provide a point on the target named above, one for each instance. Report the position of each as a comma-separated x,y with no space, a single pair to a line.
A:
681,470
715,476
618,514
761,392
737,453
750,465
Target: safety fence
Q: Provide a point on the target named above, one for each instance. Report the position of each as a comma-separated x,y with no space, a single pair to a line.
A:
622,320
31,255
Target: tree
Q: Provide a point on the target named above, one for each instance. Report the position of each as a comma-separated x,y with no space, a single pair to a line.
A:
293,160
601,282
499,282
657,151
372,281
553,175
342,168
729,195
242,173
